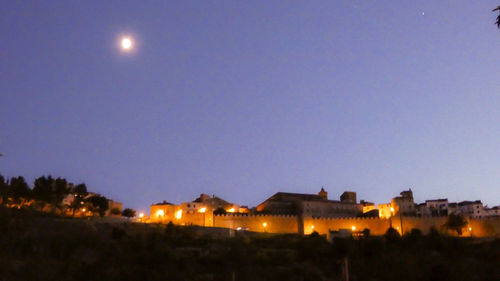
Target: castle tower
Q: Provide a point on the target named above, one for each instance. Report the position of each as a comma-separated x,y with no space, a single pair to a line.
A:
323,194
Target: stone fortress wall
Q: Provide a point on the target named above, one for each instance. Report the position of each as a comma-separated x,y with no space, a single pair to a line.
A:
306,213
487,227
259,223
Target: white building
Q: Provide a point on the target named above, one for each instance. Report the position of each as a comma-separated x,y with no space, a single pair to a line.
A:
437,207
492,212
471,209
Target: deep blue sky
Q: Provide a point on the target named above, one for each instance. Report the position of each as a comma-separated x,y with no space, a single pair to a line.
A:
244,98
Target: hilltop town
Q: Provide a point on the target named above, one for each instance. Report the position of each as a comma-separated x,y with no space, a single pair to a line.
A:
306,213
283,212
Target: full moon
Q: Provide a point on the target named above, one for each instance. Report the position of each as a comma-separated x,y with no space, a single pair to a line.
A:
126,43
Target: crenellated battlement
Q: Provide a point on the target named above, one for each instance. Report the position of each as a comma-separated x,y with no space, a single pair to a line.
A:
346,218
282,223
255,215
288,223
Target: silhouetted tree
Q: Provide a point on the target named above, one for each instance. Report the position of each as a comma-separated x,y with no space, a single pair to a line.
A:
455,223
20,189
50,190
392,235
99,204
4,190
80,191
60,191
129,213
42,189
220,211
497,22
115,211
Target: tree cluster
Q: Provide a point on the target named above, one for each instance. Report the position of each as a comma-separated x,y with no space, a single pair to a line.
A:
51,192
497,22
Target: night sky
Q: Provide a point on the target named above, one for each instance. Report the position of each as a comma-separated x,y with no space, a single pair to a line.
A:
246,98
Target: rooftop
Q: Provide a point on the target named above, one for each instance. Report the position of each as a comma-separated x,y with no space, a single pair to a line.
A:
465,203
437,200
163,203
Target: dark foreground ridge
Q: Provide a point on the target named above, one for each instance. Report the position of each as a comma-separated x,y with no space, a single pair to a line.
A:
38,246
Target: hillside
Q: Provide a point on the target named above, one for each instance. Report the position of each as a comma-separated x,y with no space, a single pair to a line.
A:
37,246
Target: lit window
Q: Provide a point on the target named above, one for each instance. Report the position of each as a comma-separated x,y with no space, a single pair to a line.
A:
178,214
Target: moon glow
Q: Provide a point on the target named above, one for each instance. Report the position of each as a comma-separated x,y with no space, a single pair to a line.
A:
126,43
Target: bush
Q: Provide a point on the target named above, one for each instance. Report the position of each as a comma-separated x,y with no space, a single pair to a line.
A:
455,223
392,235
115,211
129,213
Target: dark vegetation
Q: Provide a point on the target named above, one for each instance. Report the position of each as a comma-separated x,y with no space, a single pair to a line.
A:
48,195
129,213
456,223
497,22
44,246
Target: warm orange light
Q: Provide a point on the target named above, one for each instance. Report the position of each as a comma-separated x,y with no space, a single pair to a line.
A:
392,210
312,226
178,214
353,228
231,210
83,210
141,215
160,213
470,228
264,224
202,210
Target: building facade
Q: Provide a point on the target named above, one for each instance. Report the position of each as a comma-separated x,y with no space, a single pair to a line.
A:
311,205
